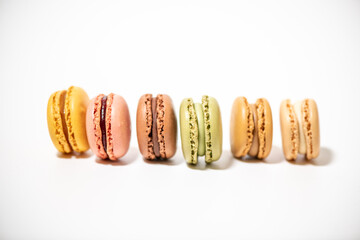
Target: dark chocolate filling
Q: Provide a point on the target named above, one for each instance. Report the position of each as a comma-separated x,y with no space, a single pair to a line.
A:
154,128
103,121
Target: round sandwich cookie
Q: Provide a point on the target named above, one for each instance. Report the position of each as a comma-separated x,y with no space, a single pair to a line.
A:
300,131
201,130
66,111
251,128
108,126
156,127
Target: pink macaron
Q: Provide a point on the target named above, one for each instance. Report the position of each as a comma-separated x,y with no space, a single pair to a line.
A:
108,126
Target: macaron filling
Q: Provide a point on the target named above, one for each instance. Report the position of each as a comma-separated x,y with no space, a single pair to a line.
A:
103,122
154,132
201,128
254,149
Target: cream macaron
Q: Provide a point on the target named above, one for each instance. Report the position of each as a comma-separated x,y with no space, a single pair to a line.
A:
300,129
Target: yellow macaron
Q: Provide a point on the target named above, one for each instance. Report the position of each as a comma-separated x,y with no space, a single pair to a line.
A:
66,118
300,129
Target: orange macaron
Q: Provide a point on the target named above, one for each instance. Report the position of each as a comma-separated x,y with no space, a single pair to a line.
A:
251,128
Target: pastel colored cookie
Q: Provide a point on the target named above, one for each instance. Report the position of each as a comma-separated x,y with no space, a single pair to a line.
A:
251,128
300,129
108,126
66,112
201,130
156,127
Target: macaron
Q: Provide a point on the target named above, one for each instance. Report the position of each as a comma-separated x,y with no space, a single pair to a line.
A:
156,127
66,112
108,126
300,129
251,128
201,129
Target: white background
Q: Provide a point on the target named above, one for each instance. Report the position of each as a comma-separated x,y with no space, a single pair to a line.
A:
185,49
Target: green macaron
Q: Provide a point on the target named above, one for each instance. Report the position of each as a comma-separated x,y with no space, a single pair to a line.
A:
201,129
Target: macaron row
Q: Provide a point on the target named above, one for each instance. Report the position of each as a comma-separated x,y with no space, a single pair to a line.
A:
103,124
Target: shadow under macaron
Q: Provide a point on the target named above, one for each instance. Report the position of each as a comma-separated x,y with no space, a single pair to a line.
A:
225,162
325,158
76,155
173,161
275,156
127,159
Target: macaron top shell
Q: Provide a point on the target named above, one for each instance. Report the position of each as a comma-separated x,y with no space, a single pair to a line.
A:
189,131
289,130
213,129
144,126
310,124
241,127
56,121
93,127
264,126
76,103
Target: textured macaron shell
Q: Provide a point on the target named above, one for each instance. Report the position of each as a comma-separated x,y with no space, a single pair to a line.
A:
299,116
189,131
56,121
201,128
289,130
167,121
311,128
144,126
213,129
93,127
76,103
265,127
118,126
241,127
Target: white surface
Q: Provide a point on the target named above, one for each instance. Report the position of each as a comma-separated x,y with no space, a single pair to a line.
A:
185,49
